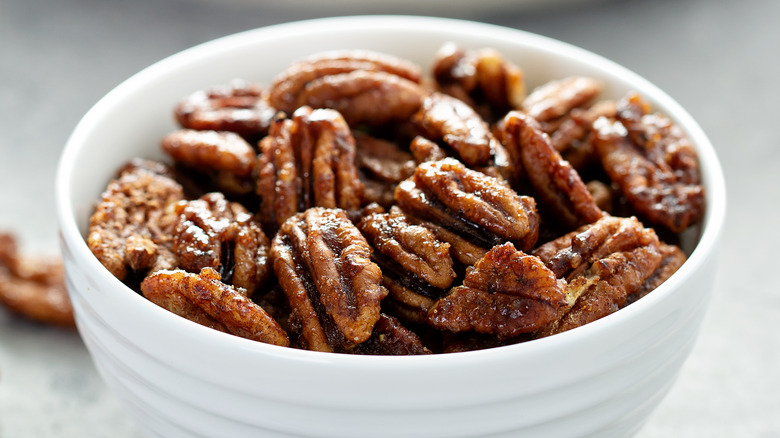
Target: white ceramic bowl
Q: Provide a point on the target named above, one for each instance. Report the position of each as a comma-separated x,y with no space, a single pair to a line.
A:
182,379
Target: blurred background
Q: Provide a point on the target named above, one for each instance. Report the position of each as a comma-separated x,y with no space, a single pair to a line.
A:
719,59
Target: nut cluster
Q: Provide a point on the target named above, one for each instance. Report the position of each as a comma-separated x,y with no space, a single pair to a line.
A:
356,205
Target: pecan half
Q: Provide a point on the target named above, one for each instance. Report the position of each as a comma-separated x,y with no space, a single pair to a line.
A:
455,125
132,226
469,204
240,106
390,338
482,78
324,266
308,161
556,98
416,265
33,286
506,293
556,183
222,303
653,162
287,88
213,232
224,156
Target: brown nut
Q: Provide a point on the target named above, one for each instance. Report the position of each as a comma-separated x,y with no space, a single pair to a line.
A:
324,266
653,162
213,232
506,293
132,226
287,87
222,303
452,123
390,338
474,206
33,286
482,78
556,98
308,161
561,191
240,106
416,265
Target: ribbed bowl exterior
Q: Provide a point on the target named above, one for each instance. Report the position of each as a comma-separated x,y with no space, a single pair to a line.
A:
180,379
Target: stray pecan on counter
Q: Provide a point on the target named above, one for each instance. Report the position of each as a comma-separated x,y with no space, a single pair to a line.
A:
467,209
225,157
653,162
205,299
131,230
216,233
482,78
365,87
33,286
416,265
308,160
324,266
558,186
241,107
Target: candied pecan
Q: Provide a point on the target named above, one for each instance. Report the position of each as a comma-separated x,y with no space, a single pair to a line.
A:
224,304
481,78
653,162
558,185
506,293
224,156
131,227
454,124
426,150
672,257
390,338
374,98
33,286
416,265
213,232
240,106
574,129
307,161
556,98
383,159
470,204
288,85
324,266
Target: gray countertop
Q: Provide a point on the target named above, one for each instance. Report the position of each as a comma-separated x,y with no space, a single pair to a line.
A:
719,59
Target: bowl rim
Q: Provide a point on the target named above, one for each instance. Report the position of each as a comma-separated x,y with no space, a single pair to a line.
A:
712,176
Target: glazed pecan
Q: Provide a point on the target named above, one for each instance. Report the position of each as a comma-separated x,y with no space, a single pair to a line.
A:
33,286
452,123
307,161
470,204
608,262
221,302
224,156
382,159
213,232
506,293
416,265
556,98
132,226
373,98
653,162
559,187
240,106
390,338
482,78
293,87
324,266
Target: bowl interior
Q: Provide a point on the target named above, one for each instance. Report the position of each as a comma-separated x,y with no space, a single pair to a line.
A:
130,121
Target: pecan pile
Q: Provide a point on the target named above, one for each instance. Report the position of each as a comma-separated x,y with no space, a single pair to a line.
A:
358,205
